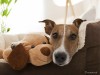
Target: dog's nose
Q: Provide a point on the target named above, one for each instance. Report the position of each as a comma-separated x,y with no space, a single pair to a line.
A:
60,58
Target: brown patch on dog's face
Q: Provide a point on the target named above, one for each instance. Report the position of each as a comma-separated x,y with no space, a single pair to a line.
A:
71,39
56,36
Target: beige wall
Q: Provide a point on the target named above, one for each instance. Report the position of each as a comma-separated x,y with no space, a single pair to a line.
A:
52,11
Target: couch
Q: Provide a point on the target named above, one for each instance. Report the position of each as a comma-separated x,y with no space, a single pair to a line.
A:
85,62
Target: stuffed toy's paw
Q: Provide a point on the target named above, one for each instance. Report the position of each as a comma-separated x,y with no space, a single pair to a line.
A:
18,58
41,54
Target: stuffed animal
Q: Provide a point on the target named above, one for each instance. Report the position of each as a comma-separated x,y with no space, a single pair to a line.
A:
33,48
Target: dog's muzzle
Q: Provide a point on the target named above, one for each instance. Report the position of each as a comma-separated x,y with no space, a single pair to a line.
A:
60,58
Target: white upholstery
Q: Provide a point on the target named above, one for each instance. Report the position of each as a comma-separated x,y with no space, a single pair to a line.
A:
2,42
7,39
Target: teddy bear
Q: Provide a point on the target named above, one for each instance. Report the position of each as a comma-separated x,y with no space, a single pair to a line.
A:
33,48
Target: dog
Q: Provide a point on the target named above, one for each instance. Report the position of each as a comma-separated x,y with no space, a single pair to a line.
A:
64,42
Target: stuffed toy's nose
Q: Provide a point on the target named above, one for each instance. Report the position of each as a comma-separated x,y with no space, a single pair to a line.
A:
13,46
45,51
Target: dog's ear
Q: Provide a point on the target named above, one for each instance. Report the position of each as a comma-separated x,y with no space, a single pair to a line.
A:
77,22
49,24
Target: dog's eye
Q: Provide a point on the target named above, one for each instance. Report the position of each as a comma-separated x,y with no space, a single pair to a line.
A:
43,42
72,36
32,46
55,35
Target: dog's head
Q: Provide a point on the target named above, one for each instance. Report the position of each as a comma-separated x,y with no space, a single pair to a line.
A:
64,42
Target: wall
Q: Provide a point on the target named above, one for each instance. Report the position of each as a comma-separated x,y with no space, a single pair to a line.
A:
57,13
25,14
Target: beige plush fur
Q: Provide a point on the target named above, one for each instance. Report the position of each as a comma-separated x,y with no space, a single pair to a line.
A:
42,54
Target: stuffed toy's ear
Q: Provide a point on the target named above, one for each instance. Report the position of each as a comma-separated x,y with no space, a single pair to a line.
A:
18,58
78,22
49,24
48,39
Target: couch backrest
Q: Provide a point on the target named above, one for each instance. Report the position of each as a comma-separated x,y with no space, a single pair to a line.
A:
2,42
7,39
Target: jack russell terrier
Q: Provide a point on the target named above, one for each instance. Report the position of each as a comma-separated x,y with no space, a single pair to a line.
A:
64,45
